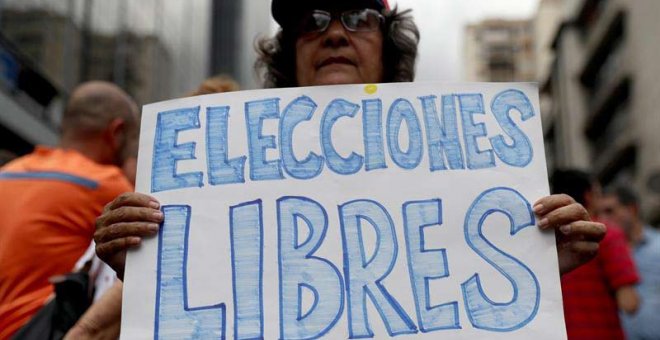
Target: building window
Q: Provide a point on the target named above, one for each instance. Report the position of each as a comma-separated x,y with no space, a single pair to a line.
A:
590,14
609,70
613,130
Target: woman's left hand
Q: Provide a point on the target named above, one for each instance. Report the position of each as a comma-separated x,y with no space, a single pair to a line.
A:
577,236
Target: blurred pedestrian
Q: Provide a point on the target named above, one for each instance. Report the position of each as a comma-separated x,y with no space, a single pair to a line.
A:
102,320
595,292
216,84
50,198
621,204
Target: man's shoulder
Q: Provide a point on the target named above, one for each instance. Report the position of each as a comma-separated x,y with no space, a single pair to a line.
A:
79,165
68,167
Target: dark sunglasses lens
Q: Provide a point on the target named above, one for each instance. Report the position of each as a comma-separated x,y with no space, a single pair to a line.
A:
361,20
315,22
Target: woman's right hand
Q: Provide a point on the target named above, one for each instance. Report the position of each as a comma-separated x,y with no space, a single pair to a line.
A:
124,222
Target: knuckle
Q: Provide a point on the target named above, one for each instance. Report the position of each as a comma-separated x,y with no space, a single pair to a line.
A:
101,251
142,227
576,225
98,235
575,209
588,249
114,232
112,247
146,215
580,207
122,244
123,198
121,214
591,249
99,222
566,198
553,216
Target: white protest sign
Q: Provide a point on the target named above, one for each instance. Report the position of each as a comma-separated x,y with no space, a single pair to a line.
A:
357,211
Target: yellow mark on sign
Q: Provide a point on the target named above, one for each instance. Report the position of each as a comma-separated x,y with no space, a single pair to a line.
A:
371,89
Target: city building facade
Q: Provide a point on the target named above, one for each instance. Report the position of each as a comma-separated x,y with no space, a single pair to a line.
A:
605,113
548,18
30,103
499,51
154,49
236,27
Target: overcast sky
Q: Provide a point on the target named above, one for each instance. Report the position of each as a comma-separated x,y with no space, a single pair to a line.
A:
441,24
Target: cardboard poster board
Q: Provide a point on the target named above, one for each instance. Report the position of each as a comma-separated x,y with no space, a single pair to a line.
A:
343,212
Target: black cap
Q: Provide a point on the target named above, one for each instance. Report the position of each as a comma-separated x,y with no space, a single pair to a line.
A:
287,12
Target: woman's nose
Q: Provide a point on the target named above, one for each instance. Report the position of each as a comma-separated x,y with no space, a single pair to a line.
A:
336,35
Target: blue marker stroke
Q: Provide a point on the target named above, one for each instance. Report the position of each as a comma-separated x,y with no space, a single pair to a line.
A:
301,109
174,318
364,275
167,152
256,112
344,166
247,244
221,169
482,311
425,265
442,134
473,104
402,110
372,126
299,269
519,153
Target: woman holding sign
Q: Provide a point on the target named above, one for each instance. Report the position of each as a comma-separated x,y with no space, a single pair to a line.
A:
325,42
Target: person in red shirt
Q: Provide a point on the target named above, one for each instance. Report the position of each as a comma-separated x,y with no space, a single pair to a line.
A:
49,199
595,292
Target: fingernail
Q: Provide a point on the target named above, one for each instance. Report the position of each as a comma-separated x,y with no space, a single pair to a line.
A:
134,240
153,228
154,204
158,215
566,229
538,208
544,223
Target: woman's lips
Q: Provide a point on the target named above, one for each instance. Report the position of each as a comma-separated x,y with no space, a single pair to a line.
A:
335,60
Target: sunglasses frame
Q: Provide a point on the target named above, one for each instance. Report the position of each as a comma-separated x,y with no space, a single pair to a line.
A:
341,17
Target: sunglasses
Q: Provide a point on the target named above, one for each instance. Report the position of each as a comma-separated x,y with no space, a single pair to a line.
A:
358,20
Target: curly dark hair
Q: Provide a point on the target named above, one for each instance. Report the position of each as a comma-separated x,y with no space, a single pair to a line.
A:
276,64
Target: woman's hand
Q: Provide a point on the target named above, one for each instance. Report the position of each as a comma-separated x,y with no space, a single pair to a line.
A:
577,236
123,224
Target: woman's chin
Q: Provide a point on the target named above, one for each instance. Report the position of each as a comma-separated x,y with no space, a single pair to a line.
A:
338,78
